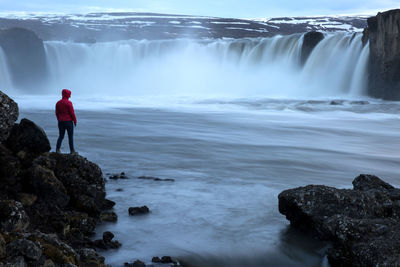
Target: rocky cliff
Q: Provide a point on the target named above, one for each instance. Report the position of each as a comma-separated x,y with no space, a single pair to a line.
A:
383,34
49,203
311,39
26,57
362,224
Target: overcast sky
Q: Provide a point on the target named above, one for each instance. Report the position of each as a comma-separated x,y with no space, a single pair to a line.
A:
220,8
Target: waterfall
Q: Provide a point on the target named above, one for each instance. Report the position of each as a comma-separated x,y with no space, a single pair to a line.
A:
253,67
5,78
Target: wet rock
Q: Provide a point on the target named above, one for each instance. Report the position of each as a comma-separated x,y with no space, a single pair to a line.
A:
363,224
366,182
336,102
136,263
384,59
108,204
17,261
117,176
106,242
48,187
27,136
8,115
83,181
81,221
26,199
138,210
155,179
311,39
108,216
12,216
107,236
361,102
3,252
89,257
24,247
166,259
119,189
54,249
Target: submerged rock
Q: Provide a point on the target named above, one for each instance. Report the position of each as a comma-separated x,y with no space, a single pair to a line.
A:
363,224
138,210
156,179
136,263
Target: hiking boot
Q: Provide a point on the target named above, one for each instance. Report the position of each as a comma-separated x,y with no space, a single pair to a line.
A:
73,152
58,151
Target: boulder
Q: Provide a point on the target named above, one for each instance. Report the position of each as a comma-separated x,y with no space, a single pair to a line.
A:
89,257
27,136
362,224
8,115
26,57
24,247
108,216
383,33
310,41
12,216
3,252
137,263
138,210
83,181
48,187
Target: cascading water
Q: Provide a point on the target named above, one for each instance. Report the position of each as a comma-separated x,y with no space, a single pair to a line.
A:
5,79
264,67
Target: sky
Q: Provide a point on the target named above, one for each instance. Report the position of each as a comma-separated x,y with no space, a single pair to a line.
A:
218,8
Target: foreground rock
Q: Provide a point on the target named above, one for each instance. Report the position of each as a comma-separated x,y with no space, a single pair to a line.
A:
383,34
8,115
49,203
362,224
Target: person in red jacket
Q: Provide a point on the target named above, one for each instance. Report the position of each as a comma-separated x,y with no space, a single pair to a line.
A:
66,120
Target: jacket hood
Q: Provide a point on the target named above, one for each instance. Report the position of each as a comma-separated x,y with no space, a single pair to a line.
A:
66,93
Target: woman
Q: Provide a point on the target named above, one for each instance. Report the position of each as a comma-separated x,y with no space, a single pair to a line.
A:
66,120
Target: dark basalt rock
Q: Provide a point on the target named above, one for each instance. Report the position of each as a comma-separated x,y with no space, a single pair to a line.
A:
156,179
138,210
8,115
108,216
311,39
26,57
49,203
383,33
136,263
27,136
13,217
363,224
106,242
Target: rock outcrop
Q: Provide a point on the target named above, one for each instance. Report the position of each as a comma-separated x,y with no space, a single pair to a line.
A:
362,224
26,56
8,115
49,203
310,41
383,33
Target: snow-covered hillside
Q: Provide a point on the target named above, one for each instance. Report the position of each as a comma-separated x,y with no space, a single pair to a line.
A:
115,26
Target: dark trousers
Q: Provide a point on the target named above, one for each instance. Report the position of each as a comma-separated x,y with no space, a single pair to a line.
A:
69,126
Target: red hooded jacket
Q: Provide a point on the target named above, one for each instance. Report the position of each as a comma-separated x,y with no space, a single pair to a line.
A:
64,108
